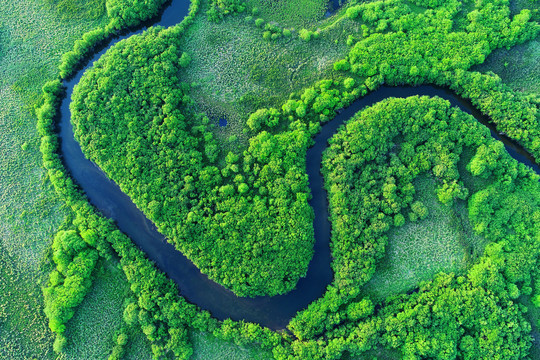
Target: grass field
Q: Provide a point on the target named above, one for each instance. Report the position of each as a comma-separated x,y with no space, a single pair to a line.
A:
207,347
442,242
236,71
290,14
32,38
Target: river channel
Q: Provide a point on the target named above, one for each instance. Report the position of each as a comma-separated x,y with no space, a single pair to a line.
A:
273,312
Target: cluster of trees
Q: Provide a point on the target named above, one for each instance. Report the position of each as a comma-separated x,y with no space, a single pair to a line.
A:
368,168
307,35
121,14
221,8
162,314
274,31
419,46
69,282
246,223
424,48
514,114
129,13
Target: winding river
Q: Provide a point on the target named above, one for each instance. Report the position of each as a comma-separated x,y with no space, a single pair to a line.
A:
273,312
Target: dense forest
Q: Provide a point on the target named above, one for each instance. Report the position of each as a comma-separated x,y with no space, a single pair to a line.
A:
239,215
238,208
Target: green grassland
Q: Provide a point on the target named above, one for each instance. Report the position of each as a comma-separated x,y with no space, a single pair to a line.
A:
519,66
442,242
32,38
294,13
236,71
207,347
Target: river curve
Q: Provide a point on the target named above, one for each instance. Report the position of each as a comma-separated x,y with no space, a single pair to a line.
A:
272,312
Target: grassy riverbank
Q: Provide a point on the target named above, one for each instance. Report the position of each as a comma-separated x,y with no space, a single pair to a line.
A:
33,35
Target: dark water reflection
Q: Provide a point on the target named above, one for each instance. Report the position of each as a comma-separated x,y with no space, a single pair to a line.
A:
273,312
333,7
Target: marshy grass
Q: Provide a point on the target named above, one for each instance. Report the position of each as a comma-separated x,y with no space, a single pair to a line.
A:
208,347
442,242
236,71
33,35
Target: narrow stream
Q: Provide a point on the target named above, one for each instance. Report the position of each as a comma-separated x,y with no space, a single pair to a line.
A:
273,312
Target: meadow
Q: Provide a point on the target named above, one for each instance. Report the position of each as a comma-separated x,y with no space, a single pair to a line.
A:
33,35
235,71
442,242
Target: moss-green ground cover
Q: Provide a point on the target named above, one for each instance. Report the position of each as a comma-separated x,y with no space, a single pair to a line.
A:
32,38
417,251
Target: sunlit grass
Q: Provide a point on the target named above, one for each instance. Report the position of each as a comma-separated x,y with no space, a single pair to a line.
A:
207,347
417,251
33,35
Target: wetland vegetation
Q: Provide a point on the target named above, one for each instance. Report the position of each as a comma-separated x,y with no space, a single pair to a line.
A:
435,227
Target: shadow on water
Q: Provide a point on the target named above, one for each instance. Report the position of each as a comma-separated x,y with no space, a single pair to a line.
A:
333,7
273,312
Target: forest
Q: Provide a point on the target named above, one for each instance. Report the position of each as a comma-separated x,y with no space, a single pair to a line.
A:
235,199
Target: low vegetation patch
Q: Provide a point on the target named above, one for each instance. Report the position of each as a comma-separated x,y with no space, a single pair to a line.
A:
442,242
